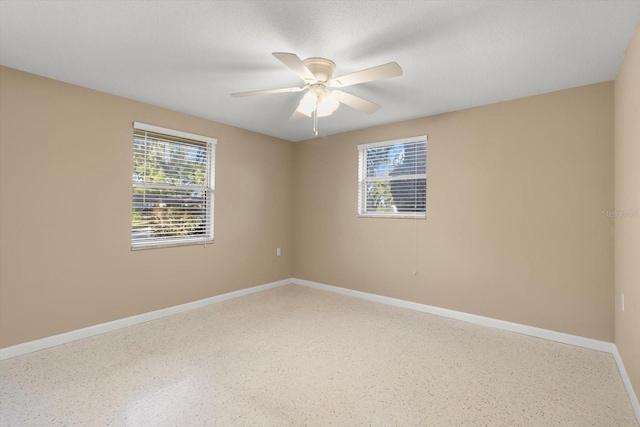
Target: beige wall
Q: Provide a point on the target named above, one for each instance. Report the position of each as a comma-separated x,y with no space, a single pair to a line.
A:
65,211
515,229
627,204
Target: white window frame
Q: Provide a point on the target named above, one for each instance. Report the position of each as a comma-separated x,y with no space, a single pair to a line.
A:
363,180
210,190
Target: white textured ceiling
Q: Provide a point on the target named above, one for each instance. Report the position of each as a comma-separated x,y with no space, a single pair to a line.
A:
190,55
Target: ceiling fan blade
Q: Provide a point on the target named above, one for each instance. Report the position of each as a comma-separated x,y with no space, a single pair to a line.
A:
355,102
385,71
296,65
297,115
268,91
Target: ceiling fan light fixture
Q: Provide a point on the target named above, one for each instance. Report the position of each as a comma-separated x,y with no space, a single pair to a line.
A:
308,104
327,106
325,103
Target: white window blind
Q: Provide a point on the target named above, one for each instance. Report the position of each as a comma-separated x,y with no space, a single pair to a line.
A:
392,178
173,187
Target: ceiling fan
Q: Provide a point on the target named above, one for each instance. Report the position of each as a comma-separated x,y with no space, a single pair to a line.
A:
317,75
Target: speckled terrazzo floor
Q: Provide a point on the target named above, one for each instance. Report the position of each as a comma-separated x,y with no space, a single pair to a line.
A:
304,357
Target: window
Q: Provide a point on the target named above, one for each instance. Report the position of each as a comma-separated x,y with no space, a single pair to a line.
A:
173,187
392,178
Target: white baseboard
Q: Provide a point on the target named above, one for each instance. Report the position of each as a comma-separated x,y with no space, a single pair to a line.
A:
627,382
561,337
90,331
466,317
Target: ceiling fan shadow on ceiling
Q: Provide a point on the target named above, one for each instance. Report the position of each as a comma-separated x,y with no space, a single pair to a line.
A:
317,75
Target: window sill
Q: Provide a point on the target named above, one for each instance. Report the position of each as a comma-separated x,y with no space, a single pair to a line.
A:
394,216
171,244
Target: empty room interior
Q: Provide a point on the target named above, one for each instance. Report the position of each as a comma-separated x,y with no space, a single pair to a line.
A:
364,213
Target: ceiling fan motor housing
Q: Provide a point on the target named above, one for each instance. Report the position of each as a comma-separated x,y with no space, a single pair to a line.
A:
322,68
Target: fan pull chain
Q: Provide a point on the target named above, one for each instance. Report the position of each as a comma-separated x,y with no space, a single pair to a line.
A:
315,120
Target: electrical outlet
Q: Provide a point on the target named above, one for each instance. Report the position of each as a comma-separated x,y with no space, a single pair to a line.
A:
278,251
622,301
